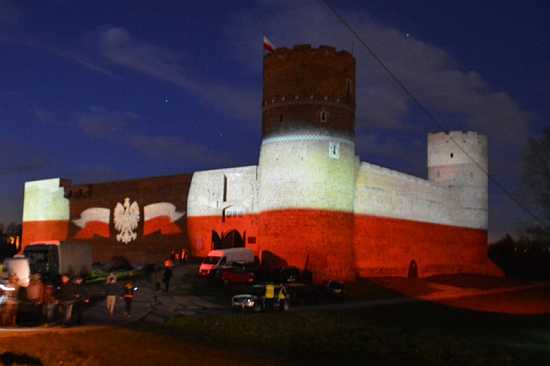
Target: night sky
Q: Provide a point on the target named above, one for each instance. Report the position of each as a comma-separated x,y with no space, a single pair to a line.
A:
108,90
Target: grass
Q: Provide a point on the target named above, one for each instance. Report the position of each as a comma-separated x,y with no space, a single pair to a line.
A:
421,333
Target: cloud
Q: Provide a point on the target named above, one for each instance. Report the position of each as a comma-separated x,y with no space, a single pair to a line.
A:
72,55
179,149
124,128
104,124
9,14
16,162
118,46
433,75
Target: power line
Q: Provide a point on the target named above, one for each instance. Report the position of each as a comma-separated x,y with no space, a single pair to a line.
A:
428,113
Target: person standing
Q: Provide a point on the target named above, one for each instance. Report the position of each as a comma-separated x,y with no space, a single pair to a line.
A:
269,296
50,304
67,296
128,297
9,313
82,299
166,277
282,298
35,294
111,289
157,278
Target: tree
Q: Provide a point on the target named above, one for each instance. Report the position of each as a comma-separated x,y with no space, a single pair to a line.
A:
537,182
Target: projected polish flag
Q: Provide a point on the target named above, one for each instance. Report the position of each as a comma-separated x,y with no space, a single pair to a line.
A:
93,221
161,216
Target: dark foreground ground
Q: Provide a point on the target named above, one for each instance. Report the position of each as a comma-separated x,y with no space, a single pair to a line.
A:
408,333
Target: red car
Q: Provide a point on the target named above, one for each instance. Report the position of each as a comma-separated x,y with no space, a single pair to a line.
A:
237,275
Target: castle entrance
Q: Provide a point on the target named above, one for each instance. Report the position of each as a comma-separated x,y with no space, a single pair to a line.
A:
231,239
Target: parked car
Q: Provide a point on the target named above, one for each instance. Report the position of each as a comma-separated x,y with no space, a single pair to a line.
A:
237,274
247,302
303,294
254,299
290,274
335,288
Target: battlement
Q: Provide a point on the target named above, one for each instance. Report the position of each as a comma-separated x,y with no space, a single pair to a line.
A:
309,89
464,137
307,49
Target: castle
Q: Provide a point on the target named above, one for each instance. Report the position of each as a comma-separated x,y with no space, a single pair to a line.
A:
310,202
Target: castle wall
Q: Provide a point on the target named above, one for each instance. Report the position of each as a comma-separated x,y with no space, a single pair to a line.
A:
221,201
45,211
161,226
400,218
306,210
309,203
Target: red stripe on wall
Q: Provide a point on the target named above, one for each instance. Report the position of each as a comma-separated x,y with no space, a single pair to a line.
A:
94,228
385,246
36,231
163,224
319,241
339,245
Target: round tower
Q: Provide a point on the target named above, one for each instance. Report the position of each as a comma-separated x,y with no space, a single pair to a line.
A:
466,175
307,161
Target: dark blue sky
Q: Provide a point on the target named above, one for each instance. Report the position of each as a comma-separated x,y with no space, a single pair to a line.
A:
114,90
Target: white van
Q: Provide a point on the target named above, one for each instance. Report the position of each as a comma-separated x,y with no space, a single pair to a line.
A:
224,257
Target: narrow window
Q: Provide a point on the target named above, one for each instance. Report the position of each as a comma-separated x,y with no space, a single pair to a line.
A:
224,188
348,88
452,155
334,150
281,118
324,116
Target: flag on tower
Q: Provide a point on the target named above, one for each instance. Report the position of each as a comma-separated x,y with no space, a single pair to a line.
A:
268,46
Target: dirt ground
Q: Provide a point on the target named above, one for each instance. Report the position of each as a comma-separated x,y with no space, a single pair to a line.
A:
113,346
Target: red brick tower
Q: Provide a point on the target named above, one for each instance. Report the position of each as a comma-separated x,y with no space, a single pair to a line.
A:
307,161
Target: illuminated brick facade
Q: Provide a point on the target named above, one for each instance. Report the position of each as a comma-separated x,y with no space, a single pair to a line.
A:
310,202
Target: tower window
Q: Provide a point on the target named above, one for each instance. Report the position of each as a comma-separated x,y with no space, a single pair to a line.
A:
452,155
324,116
334,150
348,88
224,188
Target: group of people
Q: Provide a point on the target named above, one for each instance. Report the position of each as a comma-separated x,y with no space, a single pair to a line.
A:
271,296
45,300
113,291
45,303
179,255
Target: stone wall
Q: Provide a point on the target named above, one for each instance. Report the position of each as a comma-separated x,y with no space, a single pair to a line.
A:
400,218
161,226
45,211
221,201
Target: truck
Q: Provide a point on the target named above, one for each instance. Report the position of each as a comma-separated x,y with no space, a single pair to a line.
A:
52,260
18,265
219,258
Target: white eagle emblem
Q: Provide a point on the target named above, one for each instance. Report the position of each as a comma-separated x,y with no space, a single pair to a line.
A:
126,219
